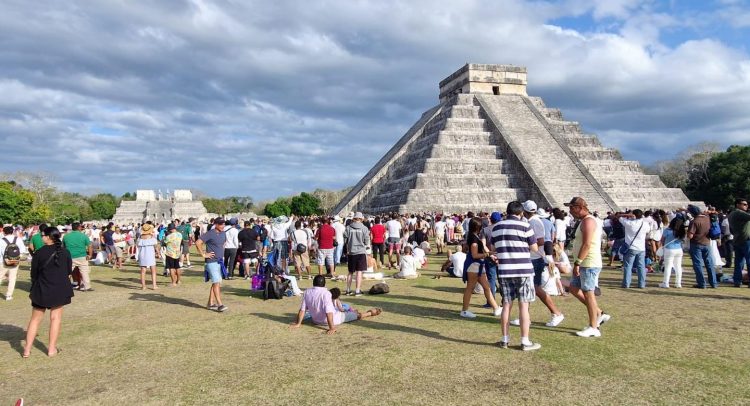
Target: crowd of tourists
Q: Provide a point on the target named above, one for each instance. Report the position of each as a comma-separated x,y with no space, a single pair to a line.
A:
522,253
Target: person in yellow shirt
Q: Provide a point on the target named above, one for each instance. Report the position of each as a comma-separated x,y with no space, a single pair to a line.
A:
173,245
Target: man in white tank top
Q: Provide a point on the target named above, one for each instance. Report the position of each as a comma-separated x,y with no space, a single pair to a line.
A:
587,263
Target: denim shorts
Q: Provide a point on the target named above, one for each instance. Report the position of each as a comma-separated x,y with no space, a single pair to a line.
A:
588,279
214,272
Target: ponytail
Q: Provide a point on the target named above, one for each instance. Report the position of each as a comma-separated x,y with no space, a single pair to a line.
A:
54,234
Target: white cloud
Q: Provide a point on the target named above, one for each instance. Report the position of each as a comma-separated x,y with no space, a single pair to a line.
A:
263,97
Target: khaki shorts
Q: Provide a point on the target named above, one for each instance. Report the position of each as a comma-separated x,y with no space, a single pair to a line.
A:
302,259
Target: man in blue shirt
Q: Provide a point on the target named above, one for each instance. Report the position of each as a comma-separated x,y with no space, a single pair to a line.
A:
210,246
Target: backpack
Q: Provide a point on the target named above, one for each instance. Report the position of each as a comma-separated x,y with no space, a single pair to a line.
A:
298,247
714,232
274,289
379,288
12,253
261,231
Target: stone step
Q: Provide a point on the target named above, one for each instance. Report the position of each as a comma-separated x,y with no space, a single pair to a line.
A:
597,153
459,166
461,196
599,168
477,124
609,181
552,113
444,208
454,137
578,141
464,151
463,111
453,181
565,127
537,102
464,100
653,204
662,194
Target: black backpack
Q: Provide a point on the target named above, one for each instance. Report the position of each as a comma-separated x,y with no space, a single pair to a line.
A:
12,253
274,289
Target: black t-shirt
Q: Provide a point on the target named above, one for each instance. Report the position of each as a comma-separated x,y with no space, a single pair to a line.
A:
473,239
248,238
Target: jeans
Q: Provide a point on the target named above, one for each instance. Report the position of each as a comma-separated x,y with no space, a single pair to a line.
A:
741,258
637,259
701,256
491,269
337,253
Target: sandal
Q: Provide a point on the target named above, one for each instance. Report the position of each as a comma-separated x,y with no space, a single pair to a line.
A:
57,352
25,355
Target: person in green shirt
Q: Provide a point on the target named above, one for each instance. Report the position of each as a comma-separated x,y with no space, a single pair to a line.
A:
186,230
739,226
79,247
36,240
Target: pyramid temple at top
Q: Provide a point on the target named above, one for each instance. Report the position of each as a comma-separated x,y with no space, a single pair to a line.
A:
488,143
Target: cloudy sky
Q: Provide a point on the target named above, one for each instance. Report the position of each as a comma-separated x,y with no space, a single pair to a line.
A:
270,98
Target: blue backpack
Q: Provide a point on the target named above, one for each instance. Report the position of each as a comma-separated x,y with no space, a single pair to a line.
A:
714,232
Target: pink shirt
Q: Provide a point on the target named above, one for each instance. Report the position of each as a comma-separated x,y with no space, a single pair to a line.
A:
318,302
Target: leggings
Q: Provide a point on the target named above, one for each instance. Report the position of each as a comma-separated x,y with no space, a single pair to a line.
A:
378,249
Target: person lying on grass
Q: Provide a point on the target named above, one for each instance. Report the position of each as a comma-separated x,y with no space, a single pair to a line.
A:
319,302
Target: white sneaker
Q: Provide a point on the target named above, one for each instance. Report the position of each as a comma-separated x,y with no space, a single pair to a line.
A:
589,332
661,285
8,297
555,320
468,314
531,346
515,322
603,318
498,311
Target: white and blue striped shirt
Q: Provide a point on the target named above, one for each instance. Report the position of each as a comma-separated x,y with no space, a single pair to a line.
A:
512,238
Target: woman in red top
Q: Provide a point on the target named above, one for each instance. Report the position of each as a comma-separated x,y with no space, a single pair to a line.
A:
377,236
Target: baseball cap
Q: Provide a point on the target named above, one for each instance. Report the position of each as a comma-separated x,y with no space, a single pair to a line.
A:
529,206
495,216
577,201
358,215
542,213
219,221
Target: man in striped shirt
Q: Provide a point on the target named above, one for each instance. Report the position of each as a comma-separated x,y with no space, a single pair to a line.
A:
514,239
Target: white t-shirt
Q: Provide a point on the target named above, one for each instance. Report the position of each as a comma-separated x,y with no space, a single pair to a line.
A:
94,234
631,227
408,266
232,242
560,227
394,228
440,228
300,237
458,259
339,228
536,224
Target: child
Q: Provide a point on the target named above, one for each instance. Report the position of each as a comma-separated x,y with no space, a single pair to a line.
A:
342,307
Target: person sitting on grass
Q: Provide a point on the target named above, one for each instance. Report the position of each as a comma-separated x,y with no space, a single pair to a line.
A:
454,265
408,265
318,302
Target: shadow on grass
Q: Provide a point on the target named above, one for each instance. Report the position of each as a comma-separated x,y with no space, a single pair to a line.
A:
372,323
425,299
160,298
242,292
678,292
449,289
134,283
13,335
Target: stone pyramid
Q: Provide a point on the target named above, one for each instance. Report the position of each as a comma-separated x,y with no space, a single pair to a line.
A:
488,143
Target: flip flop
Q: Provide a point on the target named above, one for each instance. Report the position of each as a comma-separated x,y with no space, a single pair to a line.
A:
25,355
59,350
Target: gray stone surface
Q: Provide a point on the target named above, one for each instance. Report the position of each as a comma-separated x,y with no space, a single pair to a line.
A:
478,151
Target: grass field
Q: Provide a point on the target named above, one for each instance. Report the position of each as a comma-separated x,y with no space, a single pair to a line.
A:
122,345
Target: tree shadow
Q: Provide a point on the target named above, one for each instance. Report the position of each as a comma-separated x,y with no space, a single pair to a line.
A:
242,292
413,310
160,298
423,299
136,283
14,335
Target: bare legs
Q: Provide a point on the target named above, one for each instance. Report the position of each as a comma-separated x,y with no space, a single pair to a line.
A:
55,321
523,315
588,299
174,274
153,277
482,280
214,295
